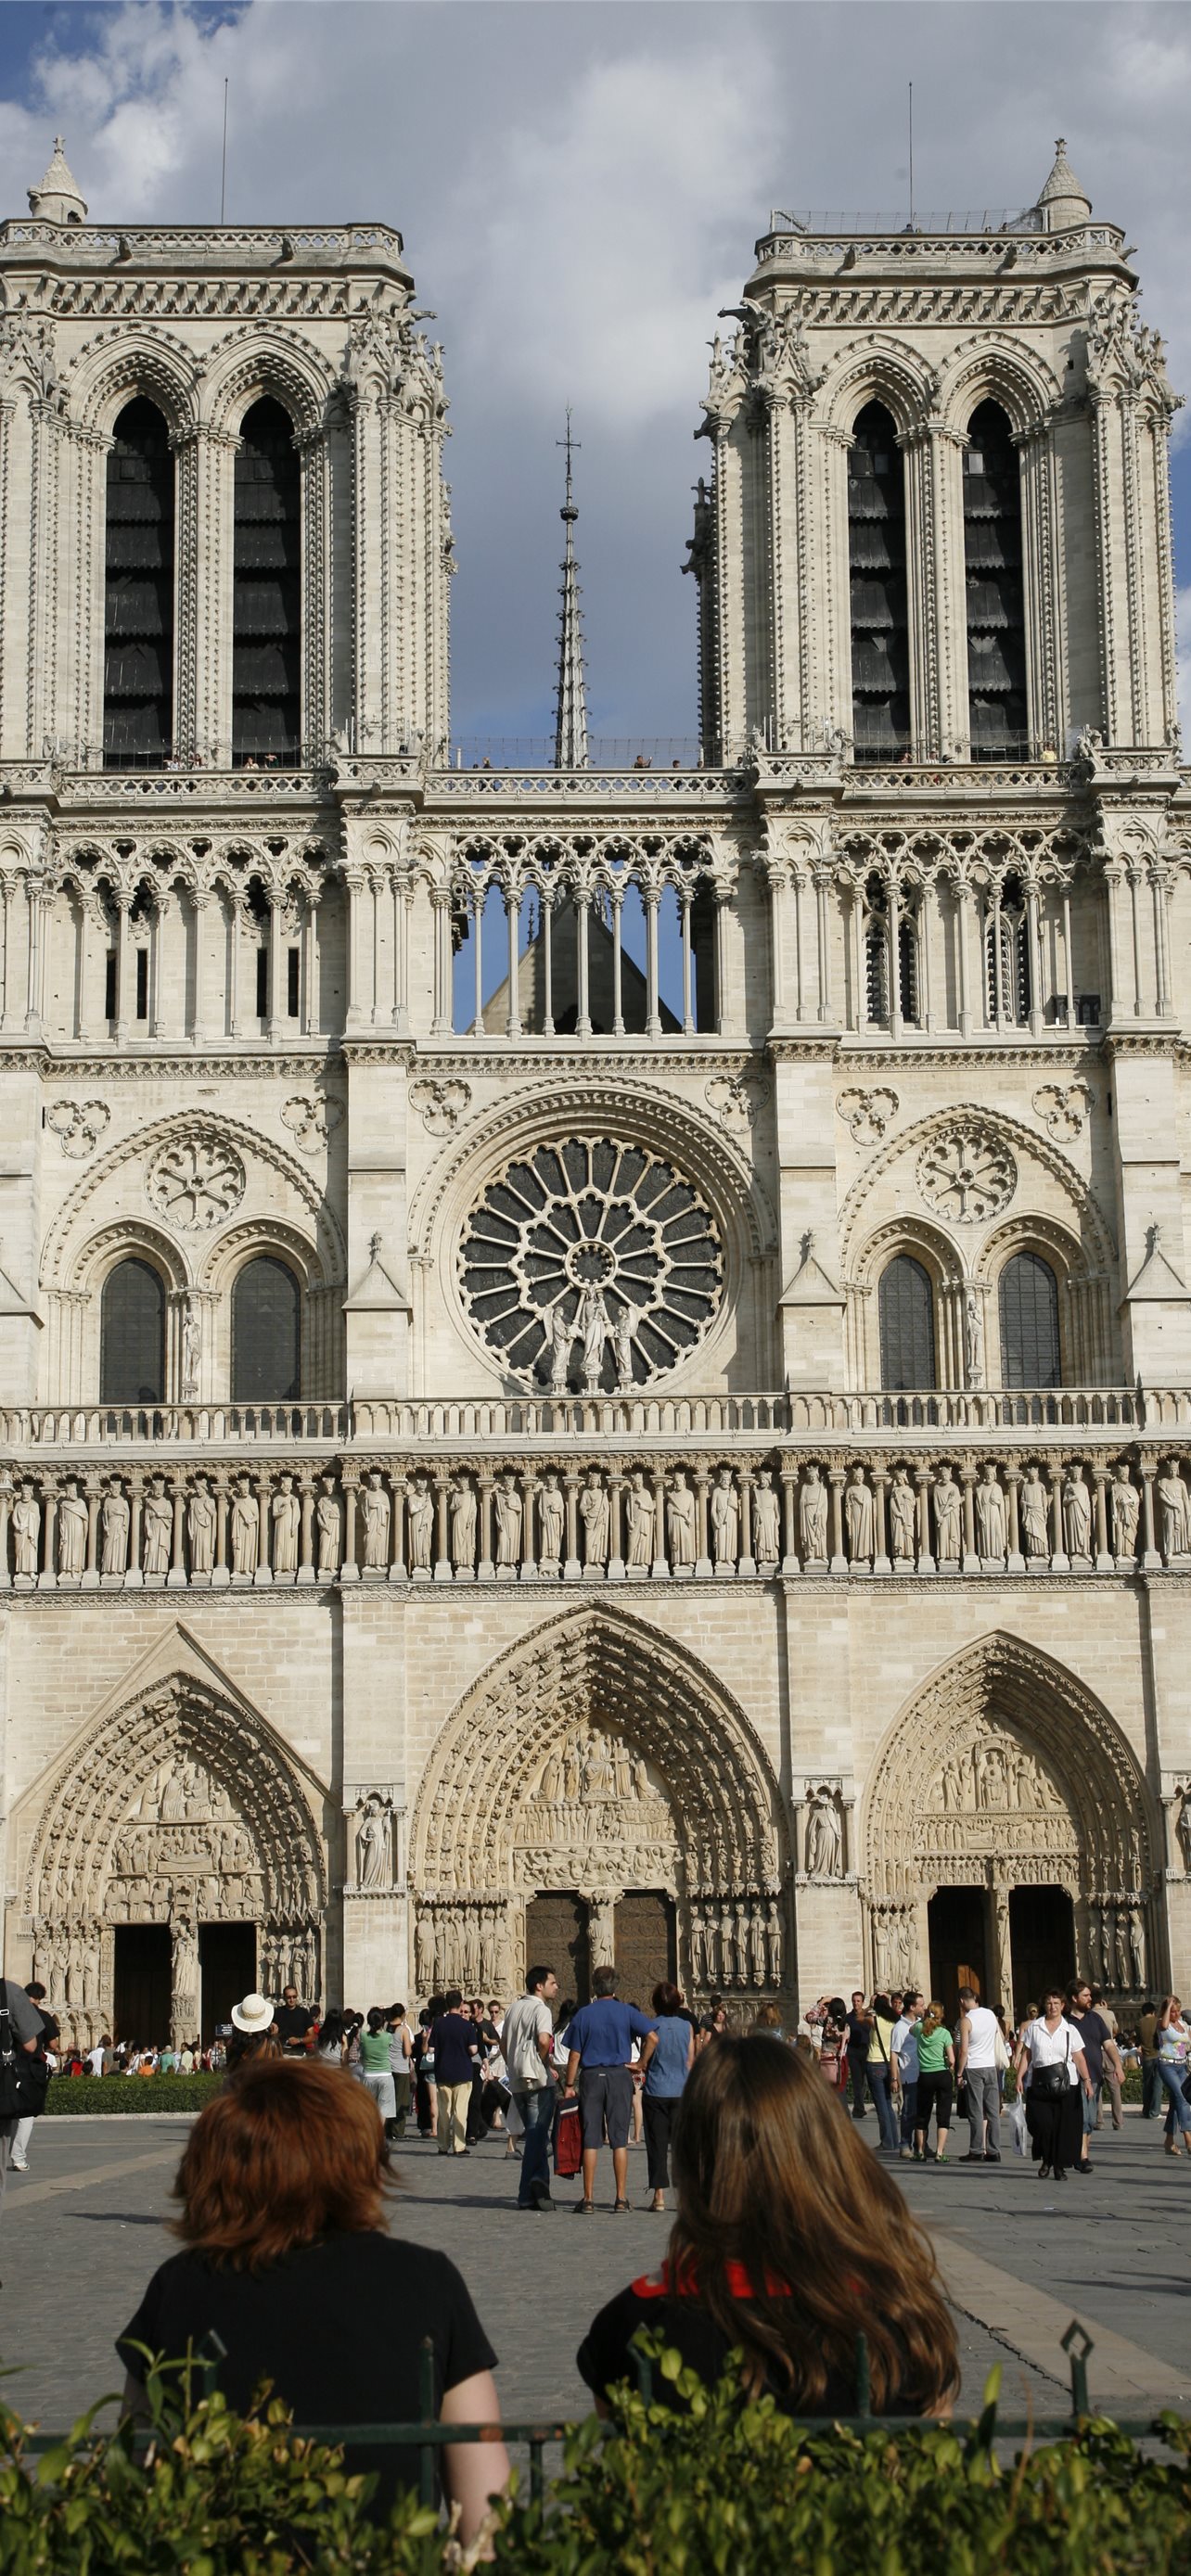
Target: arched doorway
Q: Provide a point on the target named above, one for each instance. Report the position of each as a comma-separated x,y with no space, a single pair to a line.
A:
600,1766
1006,1806
178,1821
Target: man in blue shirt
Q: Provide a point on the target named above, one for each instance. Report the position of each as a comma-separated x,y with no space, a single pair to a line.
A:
599,2039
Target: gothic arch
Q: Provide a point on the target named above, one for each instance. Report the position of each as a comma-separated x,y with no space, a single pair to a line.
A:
111,372
254,363
1028,1149
1001,1770
177,1804
64,1244
878,370
698,1811
1001,372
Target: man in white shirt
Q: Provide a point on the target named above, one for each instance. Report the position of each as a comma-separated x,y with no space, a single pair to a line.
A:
976,2065
904,2051
527,2047
93,2060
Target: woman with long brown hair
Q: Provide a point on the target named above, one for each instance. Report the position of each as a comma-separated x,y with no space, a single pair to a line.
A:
790,2240
288,2259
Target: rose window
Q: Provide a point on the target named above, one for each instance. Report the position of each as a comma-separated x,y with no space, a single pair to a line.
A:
590,1264
966,1175
195,1183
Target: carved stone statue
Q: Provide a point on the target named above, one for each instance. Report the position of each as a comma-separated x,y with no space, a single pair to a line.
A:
680,1520
26,1531
424,1954
1126,1504
374,1844
508,1520
550,1519
974,1335
594,1514
1183,1831
560,1347
200,1527
990,1517
725,1519
72,1533
421,1525
639,1521
245,1529
1035,1516
858,1512
622,1351
287,1513
463,1525
1172,1496
596,1331
326,1513
376,1513
1077,1514
812,1518
190,1350
767,1545
158,1529
824,1836
114,1519
948,1542
902,1510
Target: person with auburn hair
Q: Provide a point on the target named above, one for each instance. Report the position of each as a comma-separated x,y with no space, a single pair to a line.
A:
790,2240
287,2258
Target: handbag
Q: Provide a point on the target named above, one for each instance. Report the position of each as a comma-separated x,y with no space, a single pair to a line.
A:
24,2079
1050,2083
568,2139
1000,2052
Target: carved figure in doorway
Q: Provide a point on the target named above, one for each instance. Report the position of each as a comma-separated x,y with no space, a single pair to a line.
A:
725,1519
824,1836
858,1512
947,1518
812,1518
1172,1496
424,1954
463,1525
550,1519
901,1518
114,1518
245,1529
326,1513
1137,1951
766,1541
594,1514
508,1520
1126,1503
680,1520
26,1530
158,1527
421,1525
200,1527
1035,1512
990,1517
286,1517
72,1534
639,1521
376,1513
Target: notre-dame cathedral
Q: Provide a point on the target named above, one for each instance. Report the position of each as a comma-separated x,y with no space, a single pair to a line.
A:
591,1360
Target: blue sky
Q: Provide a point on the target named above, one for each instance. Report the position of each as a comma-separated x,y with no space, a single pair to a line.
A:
580,184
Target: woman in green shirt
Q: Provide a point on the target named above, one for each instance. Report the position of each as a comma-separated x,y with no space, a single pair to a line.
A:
936,2064
376,2066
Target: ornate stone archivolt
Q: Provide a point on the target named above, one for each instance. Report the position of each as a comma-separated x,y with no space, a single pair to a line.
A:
1034,1156
1006,1771
194,1143
596,1757
178,1807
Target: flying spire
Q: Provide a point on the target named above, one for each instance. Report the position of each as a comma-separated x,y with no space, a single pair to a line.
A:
570,728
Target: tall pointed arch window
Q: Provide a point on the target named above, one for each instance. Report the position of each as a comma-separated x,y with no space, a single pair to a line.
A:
1007,955
132,1335
878,608
266,1332
995,598
138,610
267,591
1028,1305
906,1313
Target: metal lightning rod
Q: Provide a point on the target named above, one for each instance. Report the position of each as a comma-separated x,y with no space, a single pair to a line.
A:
911,87
223,171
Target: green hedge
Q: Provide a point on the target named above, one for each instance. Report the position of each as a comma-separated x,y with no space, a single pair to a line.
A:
119,2094
723,2489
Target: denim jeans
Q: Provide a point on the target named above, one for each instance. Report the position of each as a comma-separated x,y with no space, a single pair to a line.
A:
909,2107
878,2085
1178,2108
535,2110
1151,2089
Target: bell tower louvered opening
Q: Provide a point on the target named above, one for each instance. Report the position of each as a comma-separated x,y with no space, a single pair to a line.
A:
877,576
995,599
267,594
138,622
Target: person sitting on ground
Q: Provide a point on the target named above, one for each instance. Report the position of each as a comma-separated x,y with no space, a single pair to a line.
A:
287,2258
790,2240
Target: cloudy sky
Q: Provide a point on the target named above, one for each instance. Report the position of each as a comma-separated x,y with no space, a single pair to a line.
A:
580,184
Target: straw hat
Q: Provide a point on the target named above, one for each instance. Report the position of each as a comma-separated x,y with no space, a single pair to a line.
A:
253,2015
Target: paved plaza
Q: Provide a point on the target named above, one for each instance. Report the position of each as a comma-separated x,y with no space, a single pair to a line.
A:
83,2230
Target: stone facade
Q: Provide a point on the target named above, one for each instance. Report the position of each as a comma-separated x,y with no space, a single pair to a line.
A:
596,1550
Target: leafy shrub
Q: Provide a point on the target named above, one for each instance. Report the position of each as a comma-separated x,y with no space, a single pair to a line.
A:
118,2094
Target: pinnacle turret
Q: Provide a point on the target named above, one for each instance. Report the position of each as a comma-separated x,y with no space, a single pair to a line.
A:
1063,202
570,727
57,200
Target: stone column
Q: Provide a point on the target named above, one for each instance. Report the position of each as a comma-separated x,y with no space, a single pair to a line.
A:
306,1535
572,1571
926,1561
90,1571
1150,1557
264,1493
661,1562
1058,1555
789,1477
616,1573
880,1482
349,1571
442,1561
702,1559
176,1578
1105,1561
529,1562
134,1580
835,1479
1016,1563
967,1476
219,1572
397,1494
487,1569
746,1562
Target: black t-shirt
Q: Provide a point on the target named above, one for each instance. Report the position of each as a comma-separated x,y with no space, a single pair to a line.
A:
293,2022
453,2039
1092,2035
337,2327
859,2032
604,2357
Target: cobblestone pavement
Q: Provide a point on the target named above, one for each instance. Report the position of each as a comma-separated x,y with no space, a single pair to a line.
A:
83,2230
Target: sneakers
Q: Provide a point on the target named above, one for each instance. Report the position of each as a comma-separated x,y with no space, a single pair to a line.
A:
991,2156
18,2164
907,2155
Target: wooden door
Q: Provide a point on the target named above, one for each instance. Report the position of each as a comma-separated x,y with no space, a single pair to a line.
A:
644,1944
141,2002
556,1937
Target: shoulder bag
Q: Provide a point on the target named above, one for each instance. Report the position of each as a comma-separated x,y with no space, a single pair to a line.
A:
24,2077
1050,2083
